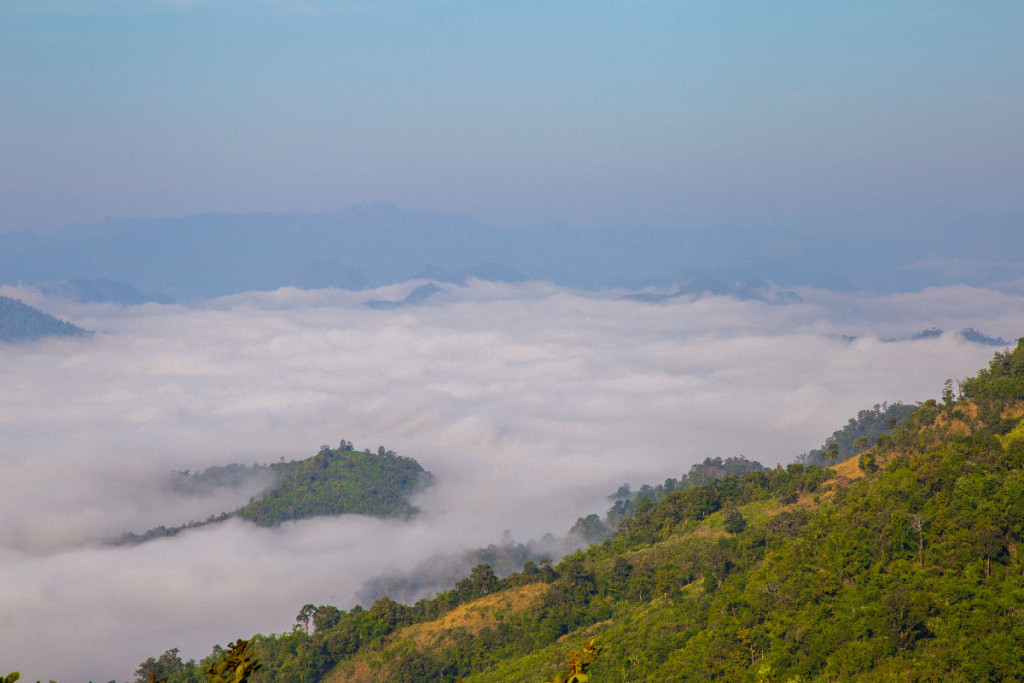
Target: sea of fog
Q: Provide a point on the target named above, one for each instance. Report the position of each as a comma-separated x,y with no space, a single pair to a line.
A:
529,403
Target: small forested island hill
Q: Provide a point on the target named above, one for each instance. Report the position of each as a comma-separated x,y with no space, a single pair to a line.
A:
332,482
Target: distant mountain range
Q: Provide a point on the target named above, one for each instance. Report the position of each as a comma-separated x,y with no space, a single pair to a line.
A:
21,322
368,245
203,256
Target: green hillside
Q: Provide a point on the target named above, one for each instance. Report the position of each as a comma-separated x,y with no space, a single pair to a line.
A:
858,433
904,564
332,482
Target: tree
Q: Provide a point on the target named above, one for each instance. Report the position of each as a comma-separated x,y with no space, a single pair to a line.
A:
947,393
716,563
590,528
161,668
917,524
832,453
866,462
325,618
734,521
989,543
906,611
304,615
147,672
619,577
481,580
414,666
387,612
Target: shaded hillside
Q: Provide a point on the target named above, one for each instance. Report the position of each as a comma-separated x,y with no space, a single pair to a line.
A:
332,482
21,322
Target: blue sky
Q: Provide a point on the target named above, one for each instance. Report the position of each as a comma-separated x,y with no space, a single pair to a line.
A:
588,113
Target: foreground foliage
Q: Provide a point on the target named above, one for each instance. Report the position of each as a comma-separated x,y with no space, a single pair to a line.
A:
236,666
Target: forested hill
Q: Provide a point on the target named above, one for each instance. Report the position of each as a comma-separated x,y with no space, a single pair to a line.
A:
332,482
903,564
858,433
21,322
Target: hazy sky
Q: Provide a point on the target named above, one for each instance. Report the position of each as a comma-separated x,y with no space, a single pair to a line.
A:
671,113
529,403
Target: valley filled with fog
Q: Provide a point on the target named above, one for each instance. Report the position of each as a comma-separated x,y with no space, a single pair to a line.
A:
528,402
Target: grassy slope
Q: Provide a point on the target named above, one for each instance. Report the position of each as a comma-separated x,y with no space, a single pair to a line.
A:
471,618
630,626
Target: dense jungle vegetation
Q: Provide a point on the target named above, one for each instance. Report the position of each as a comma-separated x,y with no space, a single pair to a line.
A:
332,482
904,563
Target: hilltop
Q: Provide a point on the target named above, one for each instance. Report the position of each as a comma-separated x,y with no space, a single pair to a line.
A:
902,563
332,482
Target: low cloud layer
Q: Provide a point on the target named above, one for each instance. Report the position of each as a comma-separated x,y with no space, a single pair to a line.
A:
529,403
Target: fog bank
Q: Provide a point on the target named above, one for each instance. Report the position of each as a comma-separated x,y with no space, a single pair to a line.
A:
529,403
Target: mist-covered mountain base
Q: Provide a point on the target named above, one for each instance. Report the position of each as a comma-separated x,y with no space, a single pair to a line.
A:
20,322
968,333
332,482
901,564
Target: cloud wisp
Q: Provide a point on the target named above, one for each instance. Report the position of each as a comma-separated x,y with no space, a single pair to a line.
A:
528,402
